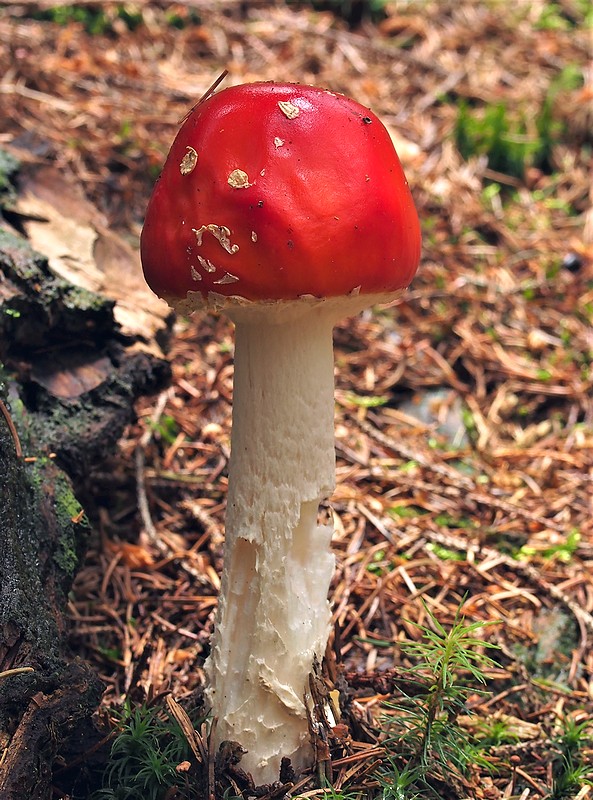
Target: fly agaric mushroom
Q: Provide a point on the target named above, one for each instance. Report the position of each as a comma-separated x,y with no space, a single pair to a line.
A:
286,207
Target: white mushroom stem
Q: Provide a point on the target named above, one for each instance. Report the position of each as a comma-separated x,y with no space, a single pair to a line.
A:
273,615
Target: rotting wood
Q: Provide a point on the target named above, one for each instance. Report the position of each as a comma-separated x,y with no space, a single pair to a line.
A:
69,378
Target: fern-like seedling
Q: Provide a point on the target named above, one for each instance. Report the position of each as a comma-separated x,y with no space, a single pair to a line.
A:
423,732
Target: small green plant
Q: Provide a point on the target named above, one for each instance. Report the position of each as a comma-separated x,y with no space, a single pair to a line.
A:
424,736
181,17
496,731
493,133
510,143
571,769
328,792
95,21
569,777
406,512
449,521
562,551
445,553
554,17
144,755
366,401
352,11
398,783
166,428
379,565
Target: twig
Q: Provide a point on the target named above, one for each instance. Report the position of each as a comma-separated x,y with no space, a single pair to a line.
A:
19,88
12,429
8,673
192,737
140,483
211,756
153,537
584,791
212,88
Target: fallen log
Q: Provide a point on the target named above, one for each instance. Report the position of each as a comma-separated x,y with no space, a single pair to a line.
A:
72,364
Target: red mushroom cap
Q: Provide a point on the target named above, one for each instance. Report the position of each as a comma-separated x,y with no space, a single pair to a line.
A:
274,191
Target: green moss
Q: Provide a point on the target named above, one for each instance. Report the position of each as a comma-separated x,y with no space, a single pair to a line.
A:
8,169
55,421
67,506
74,528
95,21
514,139
23,601
25,265
46,310
72,524
82,300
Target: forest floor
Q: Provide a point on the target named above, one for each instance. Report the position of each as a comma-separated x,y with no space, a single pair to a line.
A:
464,414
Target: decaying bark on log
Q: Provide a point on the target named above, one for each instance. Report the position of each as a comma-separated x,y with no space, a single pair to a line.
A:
41,543
69,375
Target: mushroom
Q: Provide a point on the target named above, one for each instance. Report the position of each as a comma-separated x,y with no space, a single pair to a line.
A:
286,207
